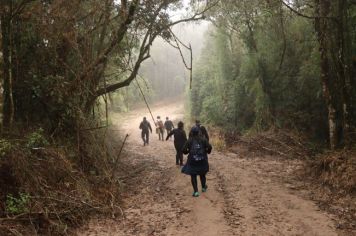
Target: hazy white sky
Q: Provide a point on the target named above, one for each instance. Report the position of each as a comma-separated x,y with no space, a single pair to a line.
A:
189,33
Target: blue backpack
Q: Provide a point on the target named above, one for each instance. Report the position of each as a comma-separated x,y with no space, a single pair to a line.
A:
197,152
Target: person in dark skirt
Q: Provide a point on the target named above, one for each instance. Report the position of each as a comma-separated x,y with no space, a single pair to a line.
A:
197,147
180,137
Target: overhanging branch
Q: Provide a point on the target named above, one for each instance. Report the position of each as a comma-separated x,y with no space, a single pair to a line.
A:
179,42
126,82
306,16
145,47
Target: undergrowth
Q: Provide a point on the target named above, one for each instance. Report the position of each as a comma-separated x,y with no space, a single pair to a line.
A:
48,187
336,170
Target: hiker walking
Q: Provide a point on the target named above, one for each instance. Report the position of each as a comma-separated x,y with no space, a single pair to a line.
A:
202,130
197,147
180,137
145,127
168,125
159,128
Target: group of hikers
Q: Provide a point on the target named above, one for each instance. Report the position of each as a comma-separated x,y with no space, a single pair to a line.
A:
197,147
146,128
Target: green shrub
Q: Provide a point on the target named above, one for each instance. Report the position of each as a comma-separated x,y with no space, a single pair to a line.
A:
5,147
37,139
17,205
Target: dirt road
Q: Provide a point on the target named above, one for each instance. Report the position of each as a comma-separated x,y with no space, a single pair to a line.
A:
247,195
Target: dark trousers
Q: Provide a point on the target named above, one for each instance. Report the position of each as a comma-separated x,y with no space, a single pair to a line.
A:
179,158
195,182
168,131
145,137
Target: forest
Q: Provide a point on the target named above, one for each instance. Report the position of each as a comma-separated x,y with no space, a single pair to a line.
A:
278,65
72,72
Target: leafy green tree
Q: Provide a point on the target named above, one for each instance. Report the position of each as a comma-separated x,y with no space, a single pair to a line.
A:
264,68
57,55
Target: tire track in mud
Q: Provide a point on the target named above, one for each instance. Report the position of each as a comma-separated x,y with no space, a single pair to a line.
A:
258,203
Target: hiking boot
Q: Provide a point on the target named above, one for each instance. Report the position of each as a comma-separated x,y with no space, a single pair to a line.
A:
203,189
196,194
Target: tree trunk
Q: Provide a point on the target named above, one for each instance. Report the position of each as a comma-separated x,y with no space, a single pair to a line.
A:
321,28
263,77
8,102
344,66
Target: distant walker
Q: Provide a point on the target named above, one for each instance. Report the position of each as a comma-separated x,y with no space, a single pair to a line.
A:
201,130
145,126
168,125
159,128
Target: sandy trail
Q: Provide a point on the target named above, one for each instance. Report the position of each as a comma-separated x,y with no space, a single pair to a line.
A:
246,196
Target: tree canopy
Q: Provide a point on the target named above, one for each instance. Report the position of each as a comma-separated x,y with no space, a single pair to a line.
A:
280,64
60,56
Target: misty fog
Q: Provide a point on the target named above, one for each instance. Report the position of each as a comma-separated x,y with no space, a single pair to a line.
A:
165,71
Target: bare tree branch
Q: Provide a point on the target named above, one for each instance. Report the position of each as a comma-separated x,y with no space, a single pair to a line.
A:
303,15
147,42
126,82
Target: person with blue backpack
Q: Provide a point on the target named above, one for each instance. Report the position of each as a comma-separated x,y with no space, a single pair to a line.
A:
197,147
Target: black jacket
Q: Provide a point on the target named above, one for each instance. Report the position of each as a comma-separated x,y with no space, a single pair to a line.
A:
145,126
168,124
203,132
180,137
